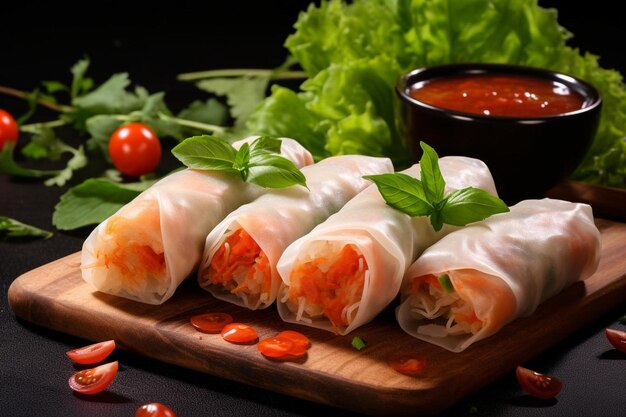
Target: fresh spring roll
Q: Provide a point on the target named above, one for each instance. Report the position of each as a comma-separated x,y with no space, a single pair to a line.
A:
350,267
146,249
474,281
240,255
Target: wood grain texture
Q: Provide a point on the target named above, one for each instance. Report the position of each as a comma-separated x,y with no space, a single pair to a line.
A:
334,373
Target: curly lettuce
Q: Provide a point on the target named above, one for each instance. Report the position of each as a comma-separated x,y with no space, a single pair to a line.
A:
354,52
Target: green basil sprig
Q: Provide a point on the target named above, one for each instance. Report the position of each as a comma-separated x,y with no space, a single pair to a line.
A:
257,162
426,197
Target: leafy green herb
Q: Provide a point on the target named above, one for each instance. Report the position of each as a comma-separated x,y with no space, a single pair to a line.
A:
256,163
425,197
93,201
446,284
358,343
622,319
13,229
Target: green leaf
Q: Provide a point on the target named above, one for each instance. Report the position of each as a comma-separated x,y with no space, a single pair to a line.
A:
264,145
8,165
44,144
446,284
274,171
111,97
432,180
358,343
242,158
206,152
80,84
76,162
403,193
469,205
13,229
54,86
210,112
93,201
101,127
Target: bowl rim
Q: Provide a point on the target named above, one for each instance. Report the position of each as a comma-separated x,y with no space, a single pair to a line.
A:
590,93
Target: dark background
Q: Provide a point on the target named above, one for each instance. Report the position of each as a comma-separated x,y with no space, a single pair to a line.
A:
154,43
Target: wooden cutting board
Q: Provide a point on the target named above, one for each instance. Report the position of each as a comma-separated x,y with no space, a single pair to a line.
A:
334,373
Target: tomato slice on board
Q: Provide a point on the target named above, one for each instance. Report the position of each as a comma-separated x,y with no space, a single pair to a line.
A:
617,339
277,347
537,384
94,380
408,364
154,410
239,333
211,322
93,353
301,343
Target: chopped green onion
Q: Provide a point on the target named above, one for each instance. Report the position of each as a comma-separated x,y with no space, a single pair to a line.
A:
445,282
358,343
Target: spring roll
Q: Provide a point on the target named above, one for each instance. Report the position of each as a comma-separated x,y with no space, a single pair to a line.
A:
240,256
350,267
145,250
471,283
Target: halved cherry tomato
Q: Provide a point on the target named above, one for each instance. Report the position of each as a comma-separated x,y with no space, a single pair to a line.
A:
538,385
154,410
617,339
93,353
211,322
277,347
94,380
8,128
300,342
408,364
135,149
239,333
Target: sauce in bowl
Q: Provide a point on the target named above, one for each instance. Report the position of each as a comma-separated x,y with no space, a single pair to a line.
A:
506,95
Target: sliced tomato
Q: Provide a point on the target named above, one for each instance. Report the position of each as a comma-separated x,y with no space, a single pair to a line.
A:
407,364
537,384
617,339
276,347
301,343
154,410
211,322
94,380
93,353
239,333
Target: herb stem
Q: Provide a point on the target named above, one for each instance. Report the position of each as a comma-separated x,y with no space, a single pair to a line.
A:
240,72
190,123
24,95
34,127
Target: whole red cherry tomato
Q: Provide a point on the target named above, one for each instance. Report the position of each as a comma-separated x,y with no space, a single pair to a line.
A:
8,128
154,410
135,149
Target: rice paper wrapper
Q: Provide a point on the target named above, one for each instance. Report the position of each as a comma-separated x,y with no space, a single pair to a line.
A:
172,218
388,239
537,249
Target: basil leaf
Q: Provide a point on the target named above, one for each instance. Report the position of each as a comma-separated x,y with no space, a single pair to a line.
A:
206,152
12,229
402,192
470,205
431,177
242,158
274,171
93,201
265,144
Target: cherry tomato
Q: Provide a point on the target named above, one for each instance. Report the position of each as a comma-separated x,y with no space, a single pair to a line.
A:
276,347
135,149
538,385
94,380
92,353
239,333
8,128
300,342
154,410
211,322
408,364
617,339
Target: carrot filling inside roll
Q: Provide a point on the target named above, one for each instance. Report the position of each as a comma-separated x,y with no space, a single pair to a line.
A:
460,302
242,268
129,255
330,284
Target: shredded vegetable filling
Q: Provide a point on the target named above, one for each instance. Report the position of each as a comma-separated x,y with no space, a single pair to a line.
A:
242,268
330,284
447,313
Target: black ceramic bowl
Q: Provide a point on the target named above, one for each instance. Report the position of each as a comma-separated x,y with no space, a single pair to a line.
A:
526,155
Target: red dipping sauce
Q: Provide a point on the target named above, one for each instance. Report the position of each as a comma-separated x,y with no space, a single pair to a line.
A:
498,95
